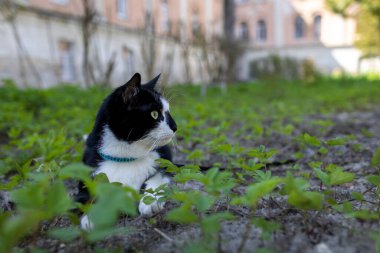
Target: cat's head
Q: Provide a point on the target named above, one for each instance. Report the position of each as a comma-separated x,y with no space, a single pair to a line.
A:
138,112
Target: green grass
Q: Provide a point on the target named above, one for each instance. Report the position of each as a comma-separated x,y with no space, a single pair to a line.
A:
41,146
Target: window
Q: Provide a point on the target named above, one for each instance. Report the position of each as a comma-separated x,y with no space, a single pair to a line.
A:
122,9
261,32
244,31
317,26
299,27
66,61
195,26
60,1
165,16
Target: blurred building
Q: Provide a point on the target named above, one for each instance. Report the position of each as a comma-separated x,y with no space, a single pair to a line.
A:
43,44
303,29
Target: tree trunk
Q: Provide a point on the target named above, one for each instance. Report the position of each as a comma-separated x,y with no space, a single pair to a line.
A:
88,28
229,39
149,46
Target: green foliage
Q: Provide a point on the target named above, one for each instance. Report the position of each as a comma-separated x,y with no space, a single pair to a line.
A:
75,170
38,199
339,6
41,143
367,17
65,234
211,224
14,228
275,67
375,180
368,27
121,202
299,196
311,140
334,175
376,158
262,154
217,182
306,200
257,191
338,141
182,215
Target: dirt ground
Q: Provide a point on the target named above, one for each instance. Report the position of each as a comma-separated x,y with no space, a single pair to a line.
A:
319,232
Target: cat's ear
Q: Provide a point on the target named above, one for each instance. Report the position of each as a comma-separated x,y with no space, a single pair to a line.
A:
132,87
152,83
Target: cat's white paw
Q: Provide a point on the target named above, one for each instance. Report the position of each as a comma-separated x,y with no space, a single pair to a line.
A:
149,210
86,223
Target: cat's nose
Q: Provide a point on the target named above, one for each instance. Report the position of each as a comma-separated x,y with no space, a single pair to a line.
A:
173,126
171,122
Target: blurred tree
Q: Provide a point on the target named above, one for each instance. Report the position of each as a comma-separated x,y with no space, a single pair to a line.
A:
368,27
93,71
230,46
88,30
368,22
229,19
149,47
211,60
340,6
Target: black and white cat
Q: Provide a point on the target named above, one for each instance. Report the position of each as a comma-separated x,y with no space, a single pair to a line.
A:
132,129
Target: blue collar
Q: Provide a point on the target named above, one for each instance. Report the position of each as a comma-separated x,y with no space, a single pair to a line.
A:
116,159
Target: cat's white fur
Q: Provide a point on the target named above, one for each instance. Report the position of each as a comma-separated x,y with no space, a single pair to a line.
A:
165,105
134,174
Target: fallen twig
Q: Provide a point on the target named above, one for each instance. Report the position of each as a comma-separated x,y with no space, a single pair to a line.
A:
163,235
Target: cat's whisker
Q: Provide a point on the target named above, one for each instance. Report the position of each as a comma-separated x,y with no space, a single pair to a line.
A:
176,94
170,99
163,92
129,133
175,143
169,94
152,145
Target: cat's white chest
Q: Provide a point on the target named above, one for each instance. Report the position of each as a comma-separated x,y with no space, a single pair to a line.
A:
132,174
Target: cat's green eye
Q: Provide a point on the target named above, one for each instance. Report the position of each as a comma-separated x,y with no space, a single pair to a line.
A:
154,114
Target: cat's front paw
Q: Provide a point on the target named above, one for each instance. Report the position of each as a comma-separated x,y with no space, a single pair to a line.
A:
86,223
149,210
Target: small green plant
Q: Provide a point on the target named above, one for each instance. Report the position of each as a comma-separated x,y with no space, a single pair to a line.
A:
376,158
333,175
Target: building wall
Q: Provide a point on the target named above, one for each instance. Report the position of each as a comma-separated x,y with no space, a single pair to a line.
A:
280,17
251,12
134,14
40,39
52,39
70,7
